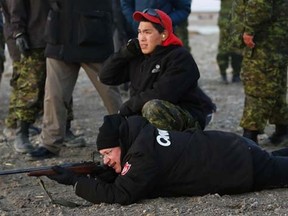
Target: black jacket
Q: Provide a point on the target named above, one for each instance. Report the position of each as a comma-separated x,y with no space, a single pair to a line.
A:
8,31
29,17
161,163
169,73
79,31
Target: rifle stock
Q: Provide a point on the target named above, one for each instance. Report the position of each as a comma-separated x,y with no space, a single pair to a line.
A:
79,168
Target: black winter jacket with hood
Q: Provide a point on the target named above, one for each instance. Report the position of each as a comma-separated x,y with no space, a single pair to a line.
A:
169,73
169,163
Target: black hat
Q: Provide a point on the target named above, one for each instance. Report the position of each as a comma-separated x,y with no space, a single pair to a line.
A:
108,136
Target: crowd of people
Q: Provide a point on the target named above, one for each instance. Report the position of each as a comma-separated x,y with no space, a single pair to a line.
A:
155,143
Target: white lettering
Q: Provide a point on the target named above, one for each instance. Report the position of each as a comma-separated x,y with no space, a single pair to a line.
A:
163,138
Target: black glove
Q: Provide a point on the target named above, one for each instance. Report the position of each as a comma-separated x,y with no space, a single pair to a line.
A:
22,44
134,47
125,110
104,173
63,176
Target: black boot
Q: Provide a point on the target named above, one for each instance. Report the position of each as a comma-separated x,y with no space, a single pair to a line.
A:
253,135
235,78
21,142
280,134
40,153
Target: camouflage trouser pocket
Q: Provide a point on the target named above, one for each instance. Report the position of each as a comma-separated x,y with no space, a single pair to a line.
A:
167,116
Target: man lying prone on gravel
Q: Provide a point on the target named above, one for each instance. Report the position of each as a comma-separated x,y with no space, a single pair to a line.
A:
149,163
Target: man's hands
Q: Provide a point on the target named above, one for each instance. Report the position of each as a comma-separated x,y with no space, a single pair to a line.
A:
22,44
248,40
104,173
63,176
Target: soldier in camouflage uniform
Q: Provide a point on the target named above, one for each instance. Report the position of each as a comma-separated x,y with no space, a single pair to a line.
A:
29,76
2,47
29,73
264,68
226,53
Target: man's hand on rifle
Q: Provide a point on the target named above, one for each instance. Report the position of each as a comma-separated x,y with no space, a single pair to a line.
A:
104,173
63,176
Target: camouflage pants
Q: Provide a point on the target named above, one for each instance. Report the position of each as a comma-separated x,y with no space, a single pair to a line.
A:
264,77
226,55
28,86
167,116
225,58
182,32
28,83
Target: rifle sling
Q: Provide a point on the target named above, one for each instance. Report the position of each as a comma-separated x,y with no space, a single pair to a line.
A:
56,201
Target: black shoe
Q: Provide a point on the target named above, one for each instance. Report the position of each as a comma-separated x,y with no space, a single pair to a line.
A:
236,79
276,139
280,135
40,154
252,135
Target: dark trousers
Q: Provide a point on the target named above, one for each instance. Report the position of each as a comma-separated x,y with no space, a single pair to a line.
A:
270,169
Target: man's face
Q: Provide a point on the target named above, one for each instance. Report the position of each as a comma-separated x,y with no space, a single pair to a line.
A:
111,158
148,37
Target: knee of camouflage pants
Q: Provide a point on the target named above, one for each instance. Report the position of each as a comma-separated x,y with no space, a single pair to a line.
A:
167,116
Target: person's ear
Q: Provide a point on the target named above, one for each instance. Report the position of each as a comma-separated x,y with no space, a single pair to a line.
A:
164,35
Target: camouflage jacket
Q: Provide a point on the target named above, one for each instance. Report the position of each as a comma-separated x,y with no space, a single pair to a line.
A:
266,20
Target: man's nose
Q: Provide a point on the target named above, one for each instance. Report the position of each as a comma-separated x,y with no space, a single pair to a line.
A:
106,160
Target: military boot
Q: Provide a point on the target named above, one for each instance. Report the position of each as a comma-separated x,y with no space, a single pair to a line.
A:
250,134
235,78
21,142
280,134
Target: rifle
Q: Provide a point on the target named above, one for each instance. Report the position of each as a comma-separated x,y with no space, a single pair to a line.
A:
87,167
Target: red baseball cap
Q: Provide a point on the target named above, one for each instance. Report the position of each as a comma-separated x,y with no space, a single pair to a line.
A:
159,17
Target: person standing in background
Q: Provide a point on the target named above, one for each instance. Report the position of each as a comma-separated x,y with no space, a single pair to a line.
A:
27,19
264,69
178,10
78,34
226,54
19,65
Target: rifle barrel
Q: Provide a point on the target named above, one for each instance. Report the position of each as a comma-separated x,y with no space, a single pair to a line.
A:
32,169
25,170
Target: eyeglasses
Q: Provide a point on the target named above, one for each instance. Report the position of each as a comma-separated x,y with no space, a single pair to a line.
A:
153,12
106,154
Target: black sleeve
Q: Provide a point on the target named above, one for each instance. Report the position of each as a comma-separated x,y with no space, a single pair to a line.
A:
115,70
128,188
19,16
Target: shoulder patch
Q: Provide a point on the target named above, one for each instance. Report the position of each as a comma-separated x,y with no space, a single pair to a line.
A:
126,168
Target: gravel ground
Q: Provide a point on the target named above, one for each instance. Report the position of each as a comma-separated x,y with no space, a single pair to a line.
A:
22,195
